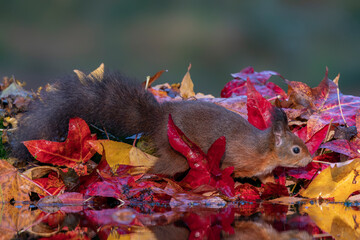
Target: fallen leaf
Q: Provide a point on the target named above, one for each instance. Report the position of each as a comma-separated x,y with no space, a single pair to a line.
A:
52,183
153,78
14,219
348,148
187,86
237,87
314,141
204,168
288,200
313,98
338,182
273,190
258,108
74,151
323,102
340,221
14,90
15,185
118,153
247,192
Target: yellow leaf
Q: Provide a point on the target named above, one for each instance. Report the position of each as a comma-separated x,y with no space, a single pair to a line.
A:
121,153
116,152
187,86
337,182
336,219
143,160
137,233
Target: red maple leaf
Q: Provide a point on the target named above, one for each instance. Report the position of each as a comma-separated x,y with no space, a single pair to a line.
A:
247,192
238,86
204,168
52,183
273,190
314,141
210,226
259,109
73,151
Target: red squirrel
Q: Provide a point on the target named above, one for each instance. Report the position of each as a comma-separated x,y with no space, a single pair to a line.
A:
123,107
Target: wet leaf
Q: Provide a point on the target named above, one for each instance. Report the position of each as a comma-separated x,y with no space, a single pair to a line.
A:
210,225
74,151
52,183
15,218
247,192
338,182
340,221
71,202
15,185
273,190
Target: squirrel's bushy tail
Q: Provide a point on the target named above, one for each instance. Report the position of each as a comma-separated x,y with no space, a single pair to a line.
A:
115,103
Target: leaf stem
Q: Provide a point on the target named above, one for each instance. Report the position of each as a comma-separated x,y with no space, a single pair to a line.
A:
338,95
316,161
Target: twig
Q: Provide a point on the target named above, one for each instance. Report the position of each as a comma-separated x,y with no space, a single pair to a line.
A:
36,223
316,161
147,82
292,190
338,95
8,130
101,130
326,137
36,184
107,135
136,136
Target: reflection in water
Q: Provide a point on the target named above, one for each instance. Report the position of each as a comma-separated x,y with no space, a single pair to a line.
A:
247,221
242,230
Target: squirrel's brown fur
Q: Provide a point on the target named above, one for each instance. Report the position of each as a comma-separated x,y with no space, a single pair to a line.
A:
123,108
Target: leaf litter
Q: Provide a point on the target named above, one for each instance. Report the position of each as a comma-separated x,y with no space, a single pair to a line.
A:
121,173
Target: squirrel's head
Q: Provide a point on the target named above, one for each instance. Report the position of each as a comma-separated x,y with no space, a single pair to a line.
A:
289,149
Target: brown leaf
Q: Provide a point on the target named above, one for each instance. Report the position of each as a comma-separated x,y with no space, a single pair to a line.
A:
153,78
187,86
15,185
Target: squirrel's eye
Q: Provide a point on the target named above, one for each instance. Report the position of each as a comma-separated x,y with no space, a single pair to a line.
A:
296,150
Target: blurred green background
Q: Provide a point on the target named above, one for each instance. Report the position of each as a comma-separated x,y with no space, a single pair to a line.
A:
42,40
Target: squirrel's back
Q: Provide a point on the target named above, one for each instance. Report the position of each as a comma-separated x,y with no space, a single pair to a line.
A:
115,103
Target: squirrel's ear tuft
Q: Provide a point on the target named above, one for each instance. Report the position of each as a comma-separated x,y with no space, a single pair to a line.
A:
278,115
280,126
